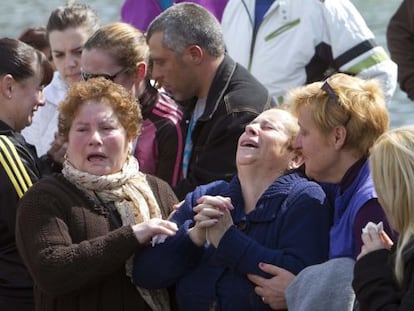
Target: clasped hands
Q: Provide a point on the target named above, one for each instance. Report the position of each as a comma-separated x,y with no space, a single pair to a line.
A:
212,220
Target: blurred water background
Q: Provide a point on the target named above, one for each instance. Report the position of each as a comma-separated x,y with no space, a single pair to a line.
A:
15,15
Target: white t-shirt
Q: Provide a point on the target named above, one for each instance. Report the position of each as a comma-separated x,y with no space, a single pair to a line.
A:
41,132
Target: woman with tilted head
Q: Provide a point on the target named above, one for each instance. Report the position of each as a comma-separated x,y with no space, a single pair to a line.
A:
269,212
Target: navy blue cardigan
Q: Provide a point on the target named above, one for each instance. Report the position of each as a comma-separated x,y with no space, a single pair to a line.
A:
289,227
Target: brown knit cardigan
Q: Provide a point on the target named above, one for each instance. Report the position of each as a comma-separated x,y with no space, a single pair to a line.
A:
72,251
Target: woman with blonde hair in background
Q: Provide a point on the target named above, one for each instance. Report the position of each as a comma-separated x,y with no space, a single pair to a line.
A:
384,278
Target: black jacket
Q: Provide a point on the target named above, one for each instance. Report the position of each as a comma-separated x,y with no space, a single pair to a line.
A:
14,278
375,285
235,98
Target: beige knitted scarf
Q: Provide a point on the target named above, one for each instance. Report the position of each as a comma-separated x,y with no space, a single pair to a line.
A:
132,196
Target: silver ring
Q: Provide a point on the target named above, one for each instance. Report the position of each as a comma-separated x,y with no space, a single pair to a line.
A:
263,299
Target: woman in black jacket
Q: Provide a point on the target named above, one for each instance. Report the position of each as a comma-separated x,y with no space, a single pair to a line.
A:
383,278
23,73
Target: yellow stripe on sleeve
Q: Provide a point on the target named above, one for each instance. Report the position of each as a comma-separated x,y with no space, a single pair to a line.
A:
13,165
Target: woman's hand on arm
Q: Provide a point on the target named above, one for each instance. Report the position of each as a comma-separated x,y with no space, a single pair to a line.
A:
272,290
146,230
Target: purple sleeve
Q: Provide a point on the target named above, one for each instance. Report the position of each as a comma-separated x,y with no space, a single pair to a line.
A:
370,211
139,13
216,7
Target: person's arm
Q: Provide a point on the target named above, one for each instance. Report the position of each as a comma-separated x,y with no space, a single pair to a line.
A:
400,41
353,45
56,259
374,283
371,211
18,172
272,289
303,241
8,201
58,263
170,142
172,258
177,254
9,197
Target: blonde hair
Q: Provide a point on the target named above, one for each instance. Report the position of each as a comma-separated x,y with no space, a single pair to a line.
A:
354,103
126,44
392,166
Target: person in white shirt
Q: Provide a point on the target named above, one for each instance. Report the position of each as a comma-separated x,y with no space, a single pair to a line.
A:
68,28
289,43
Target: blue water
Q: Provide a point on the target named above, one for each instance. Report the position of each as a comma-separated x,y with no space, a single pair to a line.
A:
15,15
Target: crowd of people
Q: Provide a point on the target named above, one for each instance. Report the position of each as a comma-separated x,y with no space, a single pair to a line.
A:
206,155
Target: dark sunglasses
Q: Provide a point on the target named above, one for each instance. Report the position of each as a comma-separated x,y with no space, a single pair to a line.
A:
332,94
86,76
330,91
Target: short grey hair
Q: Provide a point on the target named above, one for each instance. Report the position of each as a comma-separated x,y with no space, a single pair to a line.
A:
188,24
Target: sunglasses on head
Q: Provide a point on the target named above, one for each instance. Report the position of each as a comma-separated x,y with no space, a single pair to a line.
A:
86,76
330,91
327,88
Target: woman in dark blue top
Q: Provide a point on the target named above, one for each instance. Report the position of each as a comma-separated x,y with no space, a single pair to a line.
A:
269,212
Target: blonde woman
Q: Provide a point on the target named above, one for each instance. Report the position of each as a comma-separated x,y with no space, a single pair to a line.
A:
378,284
